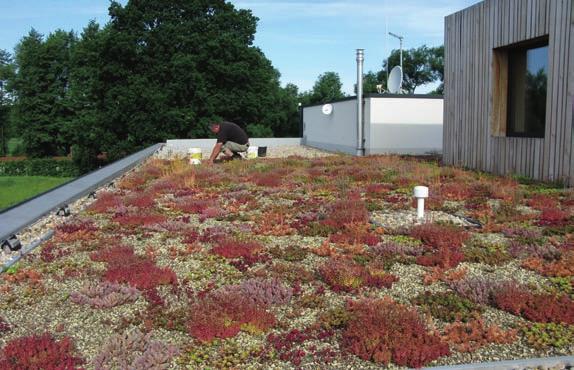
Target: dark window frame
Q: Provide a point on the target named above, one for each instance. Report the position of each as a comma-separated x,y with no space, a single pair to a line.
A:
510,49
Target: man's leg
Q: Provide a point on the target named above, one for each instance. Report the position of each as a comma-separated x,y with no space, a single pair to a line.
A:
230,149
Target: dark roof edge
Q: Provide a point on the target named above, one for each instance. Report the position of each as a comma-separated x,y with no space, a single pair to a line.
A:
391,96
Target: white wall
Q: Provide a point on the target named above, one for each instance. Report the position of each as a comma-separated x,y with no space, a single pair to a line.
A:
335,132
403,125
181,146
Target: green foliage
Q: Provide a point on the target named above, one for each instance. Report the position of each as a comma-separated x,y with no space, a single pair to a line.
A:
42,87
327,88
259,130
335,318
483,252
549,335
6,74
39,167
421,65
15,147
562,285
219,354
158,70
447,306
370,82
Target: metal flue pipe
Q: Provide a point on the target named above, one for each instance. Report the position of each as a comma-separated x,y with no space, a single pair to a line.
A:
360,131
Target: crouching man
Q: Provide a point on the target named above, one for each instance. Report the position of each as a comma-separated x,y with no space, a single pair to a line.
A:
231,140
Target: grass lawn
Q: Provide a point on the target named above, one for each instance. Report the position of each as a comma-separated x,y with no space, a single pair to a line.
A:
14,189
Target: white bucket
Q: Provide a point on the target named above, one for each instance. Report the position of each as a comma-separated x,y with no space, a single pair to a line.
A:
194,155
252,152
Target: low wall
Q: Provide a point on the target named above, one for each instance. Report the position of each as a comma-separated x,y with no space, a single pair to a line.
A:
336,132
394,124
181,146
409,125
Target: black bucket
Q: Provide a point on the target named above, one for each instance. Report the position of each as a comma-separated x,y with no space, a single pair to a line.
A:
262,151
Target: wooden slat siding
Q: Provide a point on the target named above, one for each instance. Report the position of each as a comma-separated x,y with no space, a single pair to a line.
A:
492,16
471,36
473,87
569,165
554,52
562,90
483,104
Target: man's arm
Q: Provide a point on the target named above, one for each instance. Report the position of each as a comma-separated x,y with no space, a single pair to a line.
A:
215,152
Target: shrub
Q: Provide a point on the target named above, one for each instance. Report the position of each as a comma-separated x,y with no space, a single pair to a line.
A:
114,254
141,200
334,318
439,236
470,336
552,217
444,258
231,248
267,179
526,236
51,251
549,335
477,289
134,351
291,253
536,307
443,245
291,346
39,352
390,249
77,225
105,203
192,205
345,212
39,167
447,306
384,331
348,276
244,254
104,295
562,268
140,273
486,255
520,250
222,314
355,234
265,292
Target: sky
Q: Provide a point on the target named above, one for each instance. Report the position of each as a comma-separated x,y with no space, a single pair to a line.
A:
303,39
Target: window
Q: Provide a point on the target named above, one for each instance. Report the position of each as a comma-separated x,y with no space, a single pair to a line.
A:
519,81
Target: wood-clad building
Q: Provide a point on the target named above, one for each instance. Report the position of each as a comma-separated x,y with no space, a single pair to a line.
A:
509,88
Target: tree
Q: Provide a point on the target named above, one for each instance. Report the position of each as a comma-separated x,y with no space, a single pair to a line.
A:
6,75
168,68
420,66
41,87
370,82
437,67
85,98
327,88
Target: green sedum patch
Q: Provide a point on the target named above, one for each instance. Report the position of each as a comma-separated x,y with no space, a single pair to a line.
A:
549,335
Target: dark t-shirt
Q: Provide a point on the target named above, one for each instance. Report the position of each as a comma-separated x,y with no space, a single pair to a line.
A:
229,131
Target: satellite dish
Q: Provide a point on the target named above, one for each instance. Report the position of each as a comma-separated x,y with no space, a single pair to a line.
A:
327,109
395,80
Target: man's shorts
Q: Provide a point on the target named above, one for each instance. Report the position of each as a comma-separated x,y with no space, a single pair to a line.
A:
234,147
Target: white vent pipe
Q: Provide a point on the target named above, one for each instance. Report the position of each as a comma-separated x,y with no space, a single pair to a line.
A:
360,129
421,193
